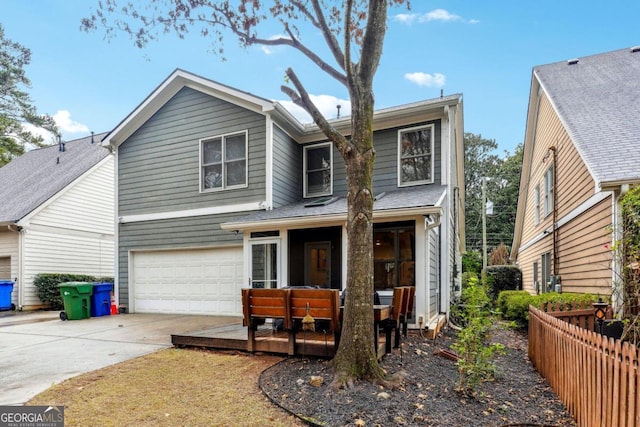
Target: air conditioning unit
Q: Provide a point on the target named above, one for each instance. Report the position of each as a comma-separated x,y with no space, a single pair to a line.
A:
556,284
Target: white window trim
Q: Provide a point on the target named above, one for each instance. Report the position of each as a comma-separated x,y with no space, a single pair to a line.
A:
433,156
548,191
304,166
223,137
266,241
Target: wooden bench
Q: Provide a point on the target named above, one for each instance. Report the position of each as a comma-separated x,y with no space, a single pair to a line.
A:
323,305
289,306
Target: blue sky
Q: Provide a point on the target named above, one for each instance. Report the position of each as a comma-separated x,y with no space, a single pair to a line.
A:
482,49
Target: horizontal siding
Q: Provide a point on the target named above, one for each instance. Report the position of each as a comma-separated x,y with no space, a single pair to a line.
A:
583,253
158,166
386,165
50,250
574,183
583,250
87,206
385,170
583,261
9,248
532,254
287,169
192,232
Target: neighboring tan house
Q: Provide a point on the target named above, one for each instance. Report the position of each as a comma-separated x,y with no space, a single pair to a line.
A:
56,215
218,190
581,153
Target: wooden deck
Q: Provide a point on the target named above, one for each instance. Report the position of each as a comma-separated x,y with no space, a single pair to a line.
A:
234,337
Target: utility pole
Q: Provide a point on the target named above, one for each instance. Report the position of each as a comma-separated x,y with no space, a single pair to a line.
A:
484,223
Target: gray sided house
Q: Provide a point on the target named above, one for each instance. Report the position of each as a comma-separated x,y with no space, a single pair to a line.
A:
218,190
56,215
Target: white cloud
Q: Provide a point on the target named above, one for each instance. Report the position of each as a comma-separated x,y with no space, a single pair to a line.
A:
48,137
428,80
441,15
327,104
66,125
405,18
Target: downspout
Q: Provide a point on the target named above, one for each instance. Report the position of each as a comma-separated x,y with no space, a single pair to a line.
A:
431,221
454,273
556,258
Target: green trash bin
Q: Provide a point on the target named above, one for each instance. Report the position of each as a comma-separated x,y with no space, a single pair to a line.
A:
77,300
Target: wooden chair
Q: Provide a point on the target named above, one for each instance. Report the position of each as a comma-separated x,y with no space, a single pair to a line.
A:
397,307
261,304
407,307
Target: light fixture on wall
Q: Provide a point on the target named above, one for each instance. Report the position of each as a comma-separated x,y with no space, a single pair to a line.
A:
600,309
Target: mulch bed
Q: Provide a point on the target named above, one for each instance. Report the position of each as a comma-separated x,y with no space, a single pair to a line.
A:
518,397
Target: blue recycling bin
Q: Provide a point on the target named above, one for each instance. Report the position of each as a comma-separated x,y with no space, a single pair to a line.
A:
101,299
6,287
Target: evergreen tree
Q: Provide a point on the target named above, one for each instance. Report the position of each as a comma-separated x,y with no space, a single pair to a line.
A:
16,107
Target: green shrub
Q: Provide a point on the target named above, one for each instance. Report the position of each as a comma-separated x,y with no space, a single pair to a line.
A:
47,286
502,278
514,305
466,276
475,363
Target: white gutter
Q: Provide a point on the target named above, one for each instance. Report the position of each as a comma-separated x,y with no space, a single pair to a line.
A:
308,221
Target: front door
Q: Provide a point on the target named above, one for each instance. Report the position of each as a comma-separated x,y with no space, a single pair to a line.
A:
317,265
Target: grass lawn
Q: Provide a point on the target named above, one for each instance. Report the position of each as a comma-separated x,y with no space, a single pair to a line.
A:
171,387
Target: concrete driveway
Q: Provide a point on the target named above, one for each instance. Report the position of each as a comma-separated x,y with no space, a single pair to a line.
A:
38,350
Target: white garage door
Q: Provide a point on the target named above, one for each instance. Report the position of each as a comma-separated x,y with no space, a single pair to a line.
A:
204,281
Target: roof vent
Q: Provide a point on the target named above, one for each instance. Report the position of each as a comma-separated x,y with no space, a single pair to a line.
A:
573,61
635,49
321,201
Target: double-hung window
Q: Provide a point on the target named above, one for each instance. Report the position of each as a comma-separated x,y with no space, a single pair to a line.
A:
223,162
415,156
548,191
318,171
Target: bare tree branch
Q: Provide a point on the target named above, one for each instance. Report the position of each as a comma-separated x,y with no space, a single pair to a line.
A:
329,38
302,99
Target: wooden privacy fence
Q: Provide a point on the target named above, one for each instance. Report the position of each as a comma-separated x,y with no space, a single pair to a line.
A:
580,314
595,377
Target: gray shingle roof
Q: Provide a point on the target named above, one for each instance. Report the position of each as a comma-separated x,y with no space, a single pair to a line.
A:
412,197
36,176
598,100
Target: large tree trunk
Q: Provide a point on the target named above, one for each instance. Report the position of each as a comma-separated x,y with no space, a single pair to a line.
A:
356,355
